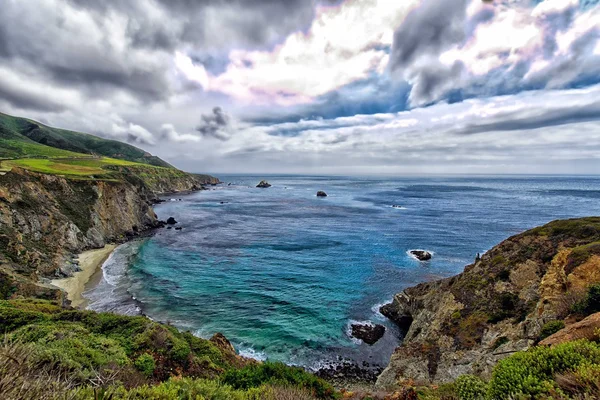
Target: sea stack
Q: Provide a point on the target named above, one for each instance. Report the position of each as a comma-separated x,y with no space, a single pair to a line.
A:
320,193
368,333
421,255
263,184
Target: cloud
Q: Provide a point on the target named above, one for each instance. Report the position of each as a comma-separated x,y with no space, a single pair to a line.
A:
477,49
132,133
344,44
216,125
168,132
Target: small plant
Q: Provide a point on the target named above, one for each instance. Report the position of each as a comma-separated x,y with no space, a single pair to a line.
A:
145,364
470,387
550,328
590,304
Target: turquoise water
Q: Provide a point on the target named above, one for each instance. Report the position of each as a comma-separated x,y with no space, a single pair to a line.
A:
283,273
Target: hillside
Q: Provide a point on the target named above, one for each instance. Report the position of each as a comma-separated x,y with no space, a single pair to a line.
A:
522,290
24,138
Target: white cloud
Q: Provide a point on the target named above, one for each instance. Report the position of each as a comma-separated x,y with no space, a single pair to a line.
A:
343,44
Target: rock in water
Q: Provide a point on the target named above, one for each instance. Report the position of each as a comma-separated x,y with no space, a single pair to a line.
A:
263,184
368,333
421,255
320,193
171,221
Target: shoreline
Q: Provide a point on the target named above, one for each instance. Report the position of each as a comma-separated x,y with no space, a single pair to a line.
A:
90,262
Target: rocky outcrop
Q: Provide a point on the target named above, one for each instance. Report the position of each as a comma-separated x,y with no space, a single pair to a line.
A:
45,219
368,333
171,221
321,193
585,329
421,255
497,306
263,184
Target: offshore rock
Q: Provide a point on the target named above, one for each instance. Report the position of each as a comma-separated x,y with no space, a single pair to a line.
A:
421,255
171,221
263,184
320,193
368,333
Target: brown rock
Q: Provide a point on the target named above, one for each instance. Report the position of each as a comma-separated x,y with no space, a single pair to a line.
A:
584,329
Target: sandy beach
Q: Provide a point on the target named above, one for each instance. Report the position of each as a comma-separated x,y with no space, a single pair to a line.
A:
90,262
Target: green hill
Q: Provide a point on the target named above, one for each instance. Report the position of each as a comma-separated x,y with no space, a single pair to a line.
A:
24,138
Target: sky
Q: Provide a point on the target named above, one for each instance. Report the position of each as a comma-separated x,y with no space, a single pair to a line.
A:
361,87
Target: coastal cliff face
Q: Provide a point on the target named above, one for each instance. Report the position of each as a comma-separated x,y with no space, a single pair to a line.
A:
45,219
497,306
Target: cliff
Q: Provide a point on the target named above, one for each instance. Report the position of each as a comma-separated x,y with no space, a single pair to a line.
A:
45,219
499,305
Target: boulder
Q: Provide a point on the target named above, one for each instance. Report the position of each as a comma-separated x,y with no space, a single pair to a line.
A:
320,193
585,329
171,221
368,333
263,184
178,228
421,255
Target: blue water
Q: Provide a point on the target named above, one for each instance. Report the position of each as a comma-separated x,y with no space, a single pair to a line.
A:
283,273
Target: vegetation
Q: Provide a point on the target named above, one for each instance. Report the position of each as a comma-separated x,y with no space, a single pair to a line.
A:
279,374
122,357
590,304
550,328
22,138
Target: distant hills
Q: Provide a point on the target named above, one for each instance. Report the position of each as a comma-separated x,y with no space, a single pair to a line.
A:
25,138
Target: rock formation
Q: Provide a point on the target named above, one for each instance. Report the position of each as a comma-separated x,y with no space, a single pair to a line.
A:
320,193
45,219
263,184
421,255
497,306
368,333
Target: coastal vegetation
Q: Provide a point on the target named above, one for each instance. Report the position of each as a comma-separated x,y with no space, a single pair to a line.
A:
133,357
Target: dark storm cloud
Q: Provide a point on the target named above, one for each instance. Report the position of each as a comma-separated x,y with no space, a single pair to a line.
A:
216,125
27,99
97,47
524,119
428,29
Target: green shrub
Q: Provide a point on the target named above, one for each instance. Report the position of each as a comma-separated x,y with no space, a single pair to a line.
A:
145,364
532,373
176,389
550,328
271,373
590,304
470,387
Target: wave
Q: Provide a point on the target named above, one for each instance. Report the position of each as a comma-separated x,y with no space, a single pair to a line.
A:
249,352
376,308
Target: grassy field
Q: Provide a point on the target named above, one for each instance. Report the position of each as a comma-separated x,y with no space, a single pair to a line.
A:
25,138
79,167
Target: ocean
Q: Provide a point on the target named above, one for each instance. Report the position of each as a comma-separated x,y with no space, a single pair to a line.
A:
283,273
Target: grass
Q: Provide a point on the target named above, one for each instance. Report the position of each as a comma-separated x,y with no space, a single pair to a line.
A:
22,138
75,166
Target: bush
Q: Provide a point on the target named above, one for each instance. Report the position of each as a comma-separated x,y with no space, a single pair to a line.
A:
176,389
145,364
532,373
470,387
279,374
590,304
550,328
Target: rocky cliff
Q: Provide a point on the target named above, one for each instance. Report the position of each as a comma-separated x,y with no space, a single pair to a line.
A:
497,306
45,219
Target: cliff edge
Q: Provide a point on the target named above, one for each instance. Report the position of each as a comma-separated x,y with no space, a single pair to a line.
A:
499,305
